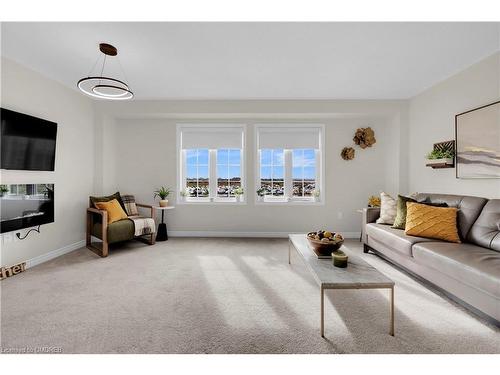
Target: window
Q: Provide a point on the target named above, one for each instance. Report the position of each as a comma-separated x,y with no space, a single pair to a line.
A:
197,180
290,163
303,172
228,172
272,170
211,163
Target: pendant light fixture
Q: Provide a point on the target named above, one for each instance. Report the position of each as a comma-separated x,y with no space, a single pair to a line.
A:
105,87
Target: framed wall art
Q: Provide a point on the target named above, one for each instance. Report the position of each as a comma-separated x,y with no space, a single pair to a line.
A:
477,134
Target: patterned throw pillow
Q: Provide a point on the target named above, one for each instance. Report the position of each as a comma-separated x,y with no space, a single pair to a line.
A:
129,204
114,210
387,209
432,222
400,219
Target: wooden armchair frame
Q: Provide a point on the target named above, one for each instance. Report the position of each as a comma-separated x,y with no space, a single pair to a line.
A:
103,248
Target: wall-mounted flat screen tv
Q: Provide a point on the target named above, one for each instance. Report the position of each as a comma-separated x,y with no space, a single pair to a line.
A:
25,205
28,143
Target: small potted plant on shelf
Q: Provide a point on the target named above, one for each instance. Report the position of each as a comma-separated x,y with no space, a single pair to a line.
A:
238,192
316,194
162,193
261,192
440,157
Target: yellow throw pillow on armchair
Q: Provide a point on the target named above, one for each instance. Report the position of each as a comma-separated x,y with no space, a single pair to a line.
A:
432,222
114,210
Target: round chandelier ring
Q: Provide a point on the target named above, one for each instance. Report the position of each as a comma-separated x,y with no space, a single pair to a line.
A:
91,86
103,87
99,90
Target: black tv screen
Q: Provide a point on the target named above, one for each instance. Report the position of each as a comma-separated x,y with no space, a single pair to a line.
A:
25,206
28,143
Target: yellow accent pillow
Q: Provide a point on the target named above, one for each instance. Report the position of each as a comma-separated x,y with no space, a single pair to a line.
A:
114,210
432,222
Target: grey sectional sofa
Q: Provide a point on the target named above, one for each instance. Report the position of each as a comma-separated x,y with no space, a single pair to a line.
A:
468,272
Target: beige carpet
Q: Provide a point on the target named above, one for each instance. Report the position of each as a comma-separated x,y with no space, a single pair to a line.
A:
222,296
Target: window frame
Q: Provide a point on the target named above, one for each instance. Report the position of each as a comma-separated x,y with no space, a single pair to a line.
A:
212,167
288,199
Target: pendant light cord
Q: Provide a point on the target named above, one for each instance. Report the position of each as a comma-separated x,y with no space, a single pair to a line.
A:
123,71
93,66
102,69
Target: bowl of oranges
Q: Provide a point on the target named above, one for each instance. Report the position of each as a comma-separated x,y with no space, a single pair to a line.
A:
324,242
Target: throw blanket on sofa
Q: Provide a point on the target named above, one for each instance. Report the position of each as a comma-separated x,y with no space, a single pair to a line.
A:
143,225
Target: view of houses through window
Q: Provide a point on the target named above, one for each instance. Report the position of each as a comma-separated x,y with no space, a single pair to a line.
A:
228,164
197,172
228,172
303,172
272,169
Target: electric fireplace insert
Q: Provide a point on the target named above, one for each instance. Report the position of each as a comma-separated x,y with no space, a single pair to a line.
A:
25,205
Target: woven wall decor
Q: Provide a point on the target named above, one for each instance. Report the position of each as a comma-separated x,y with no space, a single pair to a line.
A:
347,153
364,137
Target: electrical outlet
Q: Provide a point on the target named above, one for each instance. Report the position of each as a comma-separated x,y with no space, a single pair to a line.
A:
340,215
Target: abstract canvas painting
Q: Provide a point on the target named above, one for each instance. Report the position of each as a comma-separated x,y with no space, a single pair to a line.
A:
478,142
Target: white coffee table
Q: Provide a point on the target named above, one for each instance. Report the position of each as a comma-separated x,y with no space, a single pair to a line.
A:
357,275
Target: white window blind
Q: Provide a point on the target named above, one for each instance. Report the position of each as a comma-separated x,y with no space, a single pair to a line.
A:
211,137
289,138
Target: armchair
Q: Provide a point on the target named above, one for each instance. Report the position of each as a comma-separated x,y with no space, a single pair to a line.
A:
122,230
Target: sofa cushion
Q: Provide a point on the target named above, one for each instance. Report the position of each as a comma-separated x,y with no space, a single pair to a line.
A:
114,210
470,264
486,230
469,208
432,222
122,230
400,220
107,198
396,239
387,209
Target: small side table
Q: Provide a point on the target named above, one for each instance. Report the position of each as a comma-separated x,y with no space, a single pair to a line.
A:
162,234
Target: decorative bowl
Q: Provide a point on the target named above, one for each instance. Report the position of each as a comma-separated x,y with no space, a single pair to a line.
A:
323,248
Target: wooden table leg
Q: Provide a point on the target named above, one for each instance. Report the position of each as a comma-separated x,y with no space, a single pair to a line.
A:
391,328
322,311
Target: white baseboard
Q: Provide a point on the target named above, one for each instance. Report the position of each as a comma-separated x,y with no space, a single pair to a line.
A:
77,245
54,254
181,233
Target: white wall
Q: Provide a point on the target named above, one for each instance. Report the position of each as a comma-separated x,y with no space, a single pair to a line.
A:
26,91
140,155
432,119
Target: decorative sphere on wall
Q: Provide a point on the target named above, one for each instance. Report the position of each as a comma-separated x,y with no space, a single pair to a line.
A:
347,153
364,137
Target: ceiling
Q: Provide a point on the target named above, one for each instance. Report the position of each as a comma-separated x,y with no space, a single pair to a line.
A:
257,60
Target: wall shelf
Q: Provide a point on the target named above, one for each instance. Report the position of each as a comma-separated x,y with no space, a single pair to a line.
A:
443,163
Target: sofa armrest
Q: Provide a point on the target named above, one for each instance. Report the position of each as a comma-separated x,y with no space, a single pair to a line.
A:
96,211
370,215
142,205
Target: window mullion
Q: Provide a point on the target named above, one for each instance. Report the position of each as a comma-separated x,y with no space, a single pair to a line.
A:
183,179
317,172
212,182
288,180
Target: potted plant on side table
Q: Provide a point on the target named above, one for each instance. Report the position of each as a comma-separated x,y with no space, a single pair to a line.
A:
162,193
